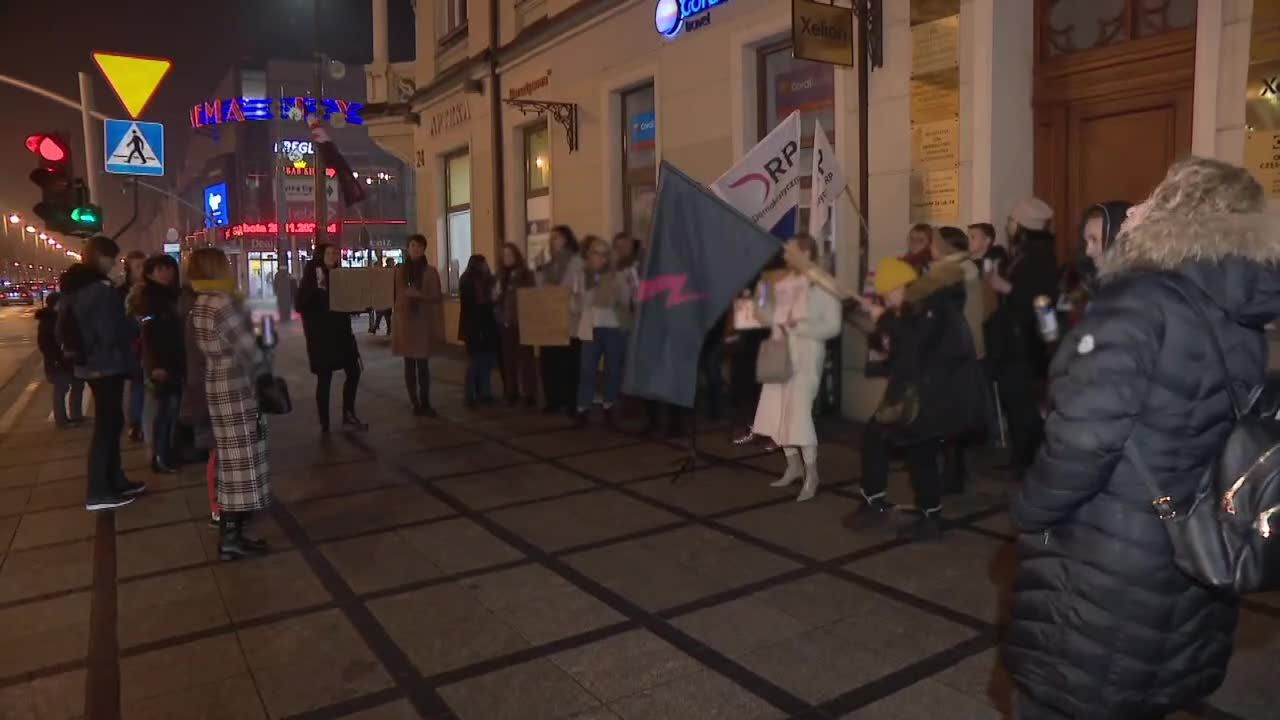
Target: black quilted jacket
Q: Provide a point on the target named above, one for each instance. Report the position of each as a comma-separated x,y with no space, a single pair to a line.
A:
1103,624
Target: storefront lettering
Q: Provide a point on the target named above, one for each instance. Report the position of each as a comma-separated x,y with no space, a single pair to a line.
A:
530,87
450,118
672,16
237,110
272,228
822,29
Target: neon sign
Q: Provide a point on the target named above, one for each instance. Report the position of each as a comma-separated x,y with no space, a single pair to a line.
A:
672,16
236,110
302,227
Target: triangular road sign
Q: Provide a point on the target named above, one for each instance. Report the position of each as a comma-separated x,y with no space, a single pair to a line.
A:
134,79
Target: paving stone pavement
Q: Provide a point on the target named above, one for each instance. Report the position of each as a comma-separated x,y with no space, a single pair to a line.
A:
491,565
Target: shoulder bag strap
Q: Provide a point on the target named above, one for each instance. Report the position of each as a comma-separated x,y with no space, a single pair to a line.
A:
1191,296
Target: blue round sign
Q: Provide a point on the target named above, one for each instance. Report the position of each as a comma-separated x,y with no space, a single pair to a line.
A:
666,17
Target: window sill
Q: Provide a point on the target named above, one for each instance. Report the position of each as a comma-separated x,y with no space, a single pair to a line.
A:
451,39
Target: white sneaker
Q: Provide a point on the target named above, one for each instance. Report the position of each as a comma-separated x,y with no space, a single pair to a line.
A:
107,503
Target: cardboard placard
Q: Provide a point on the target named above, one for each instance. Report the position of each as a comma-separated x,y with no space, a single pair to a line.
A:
543,315
358,289
452,321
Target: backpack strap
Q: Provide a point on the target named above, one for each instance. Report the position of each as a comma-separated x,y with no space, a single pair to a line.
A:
1191,295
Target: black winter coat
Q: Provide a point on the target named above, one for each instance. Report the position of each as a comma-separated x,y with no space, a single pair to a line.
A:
1012,332
331,344
930,348
155,308
1104,625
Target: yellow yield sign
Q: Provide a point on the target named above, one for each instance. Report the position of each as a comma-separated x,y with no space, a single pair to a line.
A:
133,78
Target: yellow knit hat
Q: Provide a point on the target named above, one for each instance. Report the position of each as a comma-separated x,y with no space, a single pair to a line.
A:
892,274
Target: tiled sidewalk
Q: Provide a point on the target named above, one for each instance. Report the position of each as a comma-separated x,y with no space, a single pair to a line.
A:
495,566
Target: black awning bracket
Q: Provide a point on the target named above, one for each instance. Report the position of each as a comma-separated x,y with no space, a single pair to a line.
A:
565,115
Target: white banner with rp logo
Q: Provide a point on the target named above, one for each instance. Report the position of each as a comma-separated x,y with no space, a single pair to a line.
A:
828,182
765,184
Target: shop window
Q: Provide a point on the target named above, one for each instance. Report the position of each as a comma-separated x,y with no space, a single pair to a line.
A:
457,227
1070,26
639,160
537,192
451,20
537,161
786,85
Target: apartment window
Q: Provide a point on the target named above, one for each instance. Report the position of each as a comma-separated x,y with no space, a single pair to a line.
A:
451,20
639,160
457,227
786,85
537,160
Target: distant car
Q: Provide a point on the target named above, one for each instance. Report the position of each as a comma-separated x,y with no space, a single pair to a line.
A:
18,295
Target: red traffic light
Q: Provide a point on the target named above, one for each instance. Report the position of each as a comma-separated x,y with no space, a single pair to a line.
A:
50,148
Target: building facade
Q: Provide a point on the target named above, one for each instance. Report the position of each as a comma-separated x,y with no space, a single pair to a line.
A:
518,115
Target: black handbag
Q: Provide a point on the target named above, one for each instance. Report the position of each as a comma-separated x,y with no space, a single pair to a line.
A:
273,395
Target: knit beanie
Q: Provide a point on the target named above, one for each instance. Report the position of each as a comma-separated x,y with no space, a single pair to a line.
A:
1032,214
892,274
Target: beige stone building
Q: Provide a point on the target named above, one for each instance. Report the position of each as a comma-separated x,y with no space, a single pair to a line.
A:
522,114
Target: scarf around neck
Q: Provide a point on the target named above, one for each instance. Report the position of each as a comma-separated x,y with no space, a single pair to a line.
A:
227,286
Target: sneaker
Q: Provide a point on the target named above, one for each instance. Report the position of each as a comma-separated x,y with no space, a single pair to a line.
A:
926,528
135,433
215,521
873,514
133,489
159,468
107,503
745,439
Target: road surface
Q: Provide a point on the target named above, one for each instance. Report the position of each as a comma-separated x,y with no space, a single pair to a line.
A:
17,339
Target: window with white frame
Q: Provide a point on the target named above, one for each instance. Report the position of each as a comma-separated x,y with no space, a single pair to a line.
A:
457,226
451,19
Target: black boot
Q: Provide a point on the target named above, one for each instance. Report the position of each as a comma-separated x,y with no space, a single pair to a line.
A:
232,545
256,543
351,422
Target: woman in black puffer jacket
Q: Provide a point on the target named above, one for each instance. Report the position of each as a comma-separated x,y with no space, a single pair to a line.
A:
1104,626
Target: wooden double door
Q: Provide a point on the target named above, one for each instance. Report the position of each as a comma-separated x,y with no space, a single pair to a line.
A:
1108,121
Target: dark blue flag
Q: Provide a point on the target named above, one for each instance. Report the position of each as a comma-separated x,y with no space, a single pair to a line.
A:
702,253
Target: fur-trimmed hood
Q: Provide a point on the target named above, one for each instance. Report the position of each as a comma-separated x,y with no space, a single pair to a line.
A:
1234,258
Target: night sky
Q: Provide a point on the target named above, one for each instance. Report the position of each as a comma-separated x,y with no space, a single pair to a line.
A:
48,41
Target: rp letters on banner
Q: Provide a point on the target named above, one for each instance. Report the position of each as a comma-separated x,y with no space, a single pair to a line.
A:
702,253
765,184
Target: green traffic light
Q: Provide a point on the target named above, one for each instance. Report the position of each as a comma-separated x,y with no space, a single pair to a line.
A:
89,217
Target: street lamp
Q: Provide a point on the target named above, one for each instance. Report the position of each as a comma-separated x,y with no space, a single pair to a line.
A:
15,218
29,228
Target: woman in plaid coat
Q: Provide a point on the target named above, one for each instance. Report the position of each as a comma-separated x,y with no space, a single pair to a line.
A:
233,363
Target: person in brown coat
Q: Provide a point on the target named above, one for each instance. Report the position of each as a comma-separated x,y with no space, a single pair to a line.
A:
417,323
519,372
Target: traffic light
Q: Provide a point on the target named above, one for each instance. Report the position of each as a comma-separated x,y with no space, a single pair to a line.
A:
65,205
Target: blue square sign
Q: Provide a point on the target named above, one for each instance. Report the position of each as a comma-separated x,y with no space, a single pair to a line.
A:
134,148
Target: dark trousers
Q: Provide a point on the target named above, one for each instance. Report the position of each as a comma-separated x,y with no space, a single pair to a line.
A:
106,473
519,371
417,380
1020,396
375,321
711,366
479,381
137,398
922,465
560,375
350,384
675,416
64,386
162,417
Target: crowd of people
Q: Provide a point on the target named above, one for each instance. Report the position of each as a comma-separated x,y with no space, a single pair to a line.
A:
1096,372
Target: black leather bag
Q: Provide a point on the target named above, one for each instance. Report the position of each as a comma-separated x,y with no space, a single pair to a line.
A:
273,395
1226,538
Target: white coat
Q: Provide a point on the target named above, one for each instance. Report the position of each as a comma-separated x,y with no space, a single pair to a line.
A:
785,412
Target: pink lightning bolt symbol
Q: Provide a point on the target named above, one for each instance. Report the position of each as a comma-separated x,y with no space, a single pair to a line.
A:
671,284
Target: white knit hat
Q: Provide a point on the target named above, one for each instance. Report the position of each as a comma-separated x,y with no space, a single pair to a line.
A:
1032,214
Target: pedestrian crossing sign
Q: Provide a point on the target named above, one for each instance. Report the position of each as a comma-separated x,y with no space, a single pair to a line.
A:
134,148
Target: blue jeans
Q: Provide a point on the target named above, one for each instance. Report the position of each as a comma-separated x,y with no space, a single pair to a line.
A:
65,384
611,345
160,416
479,384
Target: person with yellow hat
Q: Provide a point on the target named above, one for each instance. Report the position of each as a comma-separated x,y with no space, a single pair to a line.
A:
934,391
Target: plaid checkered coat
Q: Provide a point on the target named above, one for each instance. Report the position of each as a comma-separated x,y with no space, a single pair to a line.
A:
233,360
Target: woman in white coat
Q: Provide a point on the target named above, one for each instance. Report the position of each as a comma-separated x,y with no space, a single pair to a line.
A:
806,317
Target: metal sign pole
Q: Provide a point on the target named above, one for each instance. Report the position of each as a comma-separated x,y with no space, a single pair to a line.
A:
91,149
